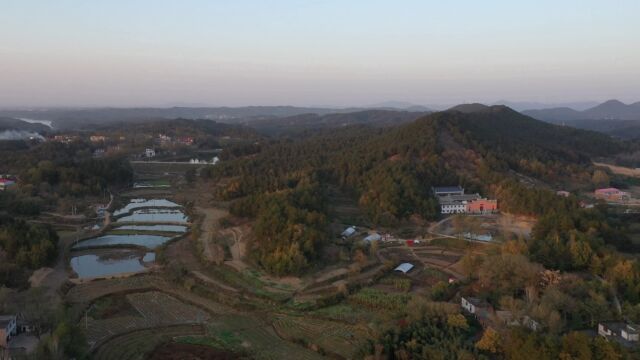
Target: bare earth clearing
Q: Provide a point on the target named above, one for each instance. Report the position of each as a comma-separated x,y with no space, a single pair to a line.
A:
621,170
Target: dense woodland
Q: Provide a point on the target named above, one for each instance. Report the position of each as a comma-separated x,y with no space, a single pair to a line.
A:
199,129
497,152
24,247
50,172
290,226
391,171
49,175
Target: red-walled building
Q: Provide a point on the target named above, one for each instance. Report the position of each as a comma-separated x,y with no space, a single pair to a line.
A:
482,206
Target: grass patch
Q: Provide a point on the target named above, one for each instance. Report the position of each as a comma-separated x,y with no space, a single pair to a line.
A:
452,243
112,306
249,282
378,300
344,312
159,182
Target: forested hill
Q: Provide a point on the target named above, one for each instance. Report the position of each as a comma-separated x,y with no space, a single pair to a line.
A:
391,171
182,127
506,134
19,125
294,125
441,148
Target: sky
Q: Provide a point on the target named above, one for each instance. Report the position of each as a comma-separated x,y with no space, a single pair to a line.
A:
316,53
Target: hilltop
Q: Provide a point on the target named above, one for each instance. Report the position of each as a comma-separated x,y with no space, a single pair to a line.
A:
7,123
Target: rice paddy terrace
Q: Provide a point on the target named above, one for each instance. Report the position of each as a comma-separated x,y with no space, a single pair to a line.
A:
127,244
129,305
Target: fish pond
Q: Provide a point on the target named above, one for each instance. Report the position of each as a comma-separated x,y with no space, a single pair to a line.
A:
148,241
110,263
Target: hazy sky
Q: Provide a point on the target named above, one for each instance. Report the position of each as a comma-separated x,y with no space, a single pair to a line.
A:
348,52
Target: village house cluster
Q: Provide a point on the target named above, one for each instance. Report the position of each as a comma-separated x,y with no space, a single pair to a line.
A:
166,140
621,332
453,200
487,316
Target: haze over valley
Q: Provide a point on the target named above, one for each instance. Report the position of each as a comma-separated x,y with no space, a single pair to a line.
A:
320,180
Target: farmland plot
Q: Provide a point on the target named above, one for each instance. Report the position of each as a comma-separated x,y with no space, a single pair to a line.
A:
332,337
137,344
162,309
247,334
155,309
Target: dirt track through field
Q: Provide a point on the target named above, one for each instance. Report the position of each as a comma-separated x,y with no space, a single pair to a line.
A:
620,169
237,247
209,228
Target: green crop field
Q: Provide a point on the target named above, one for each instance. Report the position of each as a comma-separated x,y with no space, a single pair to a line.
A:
248,335
330,336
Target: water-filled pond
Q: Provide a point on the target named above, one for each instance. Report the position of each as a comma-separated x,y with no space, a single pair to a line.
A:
155,215
141,203
146,184
120,262
149,257
158,227
149,241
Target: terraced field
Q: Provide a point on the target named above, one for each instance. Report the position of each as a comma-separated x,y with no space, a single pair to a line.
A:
137,344
154,309
439,258
332,337
247,334
160,308
83,294
87,292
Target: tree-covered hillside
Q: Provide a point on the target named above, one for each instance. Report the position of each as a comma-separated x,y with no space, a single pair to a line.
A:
392,170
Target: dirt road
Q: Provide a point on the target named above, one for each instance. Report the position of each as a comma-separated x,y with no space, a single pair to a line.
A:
210,227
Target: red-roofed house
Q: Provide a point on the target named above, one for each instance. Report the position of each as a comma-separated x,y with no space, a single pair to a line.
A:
612,194
482,206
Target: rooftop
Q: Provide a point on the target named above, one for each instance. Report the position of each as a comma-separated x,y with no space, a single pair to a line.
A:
617,327
373,237
404,267
446,189
349,231
608,190
457,199
477,302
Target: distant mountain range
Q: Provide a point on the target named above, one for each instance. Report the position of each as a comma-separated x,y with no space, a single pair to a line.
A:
611,117
292,125
608,110
65,118
399,105
532,105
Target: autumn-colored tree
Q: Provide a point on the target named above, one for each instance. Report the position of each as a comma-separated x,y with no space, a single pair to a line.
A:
575,346
604,350
360,258
580,253
457,321
470,263
600,178
490,341
514,247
